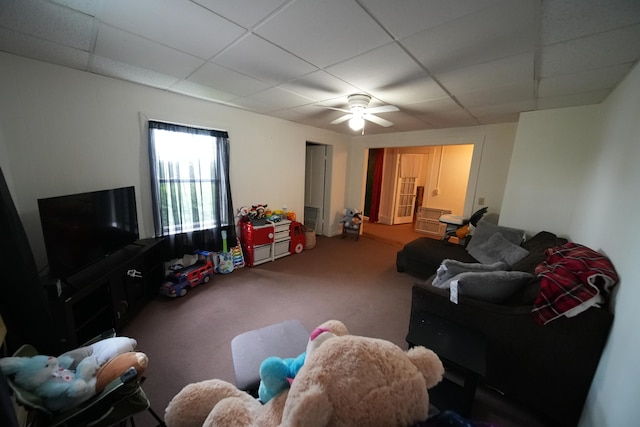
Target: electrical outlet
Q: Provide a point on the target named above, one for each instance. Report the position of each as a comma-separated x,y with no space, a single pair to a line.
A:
481,201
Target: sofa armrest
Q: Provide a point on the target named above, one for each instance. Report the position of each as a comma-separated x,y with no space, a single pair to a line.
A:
546,368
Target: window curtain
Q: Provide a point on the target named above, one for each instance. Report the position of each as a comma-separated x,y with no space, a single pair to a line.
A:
191,190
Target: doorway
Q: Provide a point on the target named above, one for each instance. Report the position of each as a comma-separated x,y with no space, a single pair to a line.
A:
315,186
431,176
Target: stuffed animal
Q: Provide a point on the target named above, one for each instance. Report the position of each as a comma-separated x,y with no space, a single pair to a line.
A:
351,219
346,380
277,374
58,387
67,380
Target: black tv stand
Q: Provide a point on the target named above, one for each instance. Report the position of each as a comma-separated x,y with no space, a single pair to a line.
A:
108,293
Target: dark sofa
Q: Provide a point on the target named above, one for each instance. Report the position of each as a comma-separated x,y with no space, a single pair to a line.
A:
547,369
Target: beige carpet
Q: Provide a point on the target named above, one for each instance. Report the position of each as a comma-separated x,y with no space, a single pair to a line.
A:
188,339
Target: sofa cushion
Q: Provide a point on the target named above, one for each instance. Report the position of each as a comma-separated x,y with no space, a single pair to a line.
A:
537,245
491,286
485,230
450,268
498,249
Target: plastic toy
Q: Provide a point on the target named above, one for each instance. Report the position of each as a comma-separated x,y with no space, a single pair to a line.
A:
298,238
178,282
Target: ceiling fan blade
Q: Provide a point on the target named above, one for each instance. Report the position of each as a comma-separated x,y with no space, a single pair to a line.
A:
342,119
377,120
382,109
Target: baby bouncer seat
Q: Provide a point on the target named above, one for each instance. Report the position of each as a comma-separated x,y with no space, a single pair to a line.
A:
115,405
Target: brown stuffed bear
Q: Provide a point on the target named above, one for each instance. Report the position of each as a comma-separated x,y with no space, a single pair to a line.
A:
345,381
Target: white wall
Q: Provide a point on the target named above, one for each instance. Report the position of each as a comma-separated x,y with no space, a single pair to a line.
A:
551,159
575,172
64,131
492,147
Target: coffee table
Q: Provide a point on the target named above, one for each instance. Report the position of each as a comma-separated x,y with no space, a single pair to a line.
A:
460,349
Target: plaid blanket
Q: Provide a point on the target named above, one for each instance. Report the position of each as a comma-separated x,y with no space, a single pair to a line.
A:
574,278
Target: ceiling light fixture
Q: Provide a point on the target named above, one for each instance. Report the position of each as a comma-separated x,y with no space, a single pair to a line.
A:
357,121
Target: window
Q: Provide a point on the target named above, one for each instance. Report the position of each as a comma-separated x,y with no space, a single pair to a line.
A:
189,179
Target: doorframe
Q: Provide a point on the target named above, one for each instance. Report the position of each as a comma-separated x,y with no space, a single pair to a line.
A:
474,170
328,164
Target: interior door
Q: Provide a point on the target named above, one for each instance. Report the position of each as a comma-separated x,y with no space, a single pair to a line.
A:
314,186
405,200
408,173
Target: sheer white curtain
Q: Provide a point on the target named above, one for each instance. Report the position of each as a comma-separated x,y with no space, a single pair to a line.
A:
190,185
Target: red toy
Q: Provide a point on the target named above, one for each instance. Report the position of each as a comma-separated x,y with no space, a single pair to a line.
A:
298,238
179,281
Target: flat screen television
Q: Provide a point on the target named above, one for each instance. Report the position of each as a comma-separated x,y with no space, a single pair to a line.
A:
80,229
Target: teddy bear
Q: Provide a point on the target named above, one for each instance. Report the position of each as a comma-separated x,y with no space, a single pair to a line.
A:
59,387
65,381
277,374
346,380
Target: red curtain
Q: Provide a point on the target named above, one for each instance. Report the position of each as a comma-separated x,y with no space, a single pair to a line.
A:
377,185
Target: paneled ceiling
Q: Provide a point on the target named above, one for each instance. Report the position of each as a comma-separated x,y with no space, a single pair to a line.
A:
443,63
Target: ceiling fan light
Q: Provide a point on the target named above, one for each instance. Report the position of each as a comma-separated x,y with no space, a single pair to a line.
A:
356,122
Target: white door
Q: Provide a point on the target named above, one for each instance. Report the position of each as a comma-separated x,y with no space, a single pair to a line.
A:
314,186
408,173
405,200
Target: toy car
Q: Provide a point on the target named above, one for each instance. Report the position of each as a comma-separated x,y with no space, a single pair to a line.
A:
179,281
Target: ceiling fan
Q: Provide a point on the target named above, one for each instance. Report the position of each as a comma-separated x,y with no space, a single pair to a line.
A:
358,112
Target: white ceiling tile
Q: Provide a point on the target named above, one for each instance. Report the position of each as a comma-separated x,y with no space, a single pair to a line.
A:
590,53
261,60
279,98
481,37
444,119
494,110
379,68
499,118
412,16
201,91
324,32
31,47
90,7
444,104
569,19
216,76
131,73
514,69
48,21
319,85
507,93
586,98
410,92
267,56
246,13
604,78
252,105
179,24
131,49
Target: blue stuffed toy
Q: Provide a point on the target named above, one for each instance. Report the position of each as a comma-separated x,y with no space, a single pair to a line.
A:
276,375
